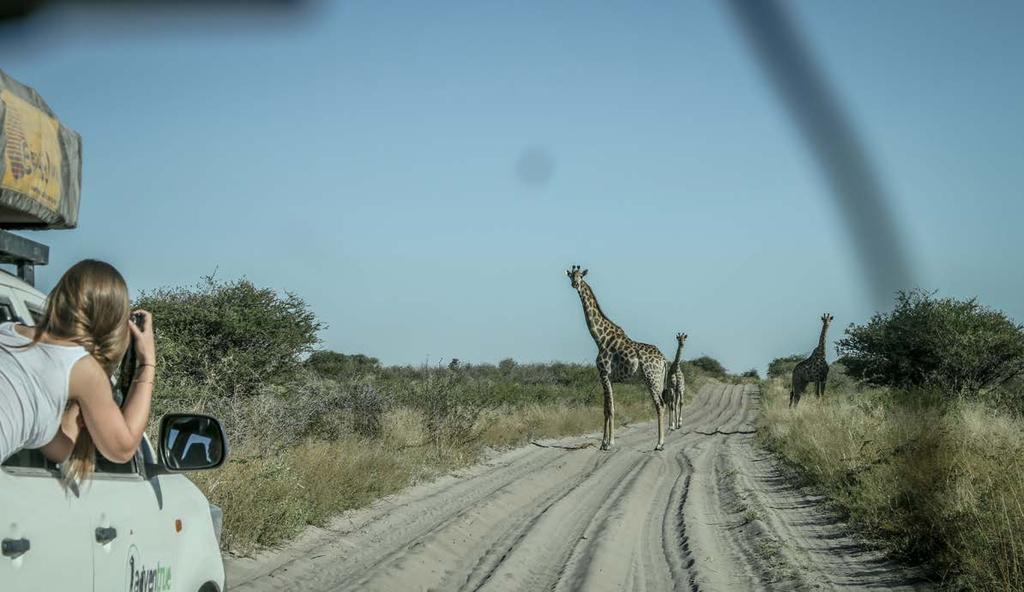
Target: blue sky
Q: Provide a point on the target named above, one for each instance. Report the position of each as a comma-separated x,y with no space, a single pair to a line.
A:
368,156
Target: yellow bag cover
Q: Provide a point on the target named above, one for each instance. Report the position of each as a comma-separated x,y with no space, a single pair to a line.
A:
40,162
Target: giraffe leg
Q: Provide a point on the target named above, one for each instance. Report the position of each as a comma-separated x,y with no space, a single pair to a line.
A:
604,423
611,418
656,388
798,389
668,399
679,408
609,412
661,427
670,406
659,408
676,404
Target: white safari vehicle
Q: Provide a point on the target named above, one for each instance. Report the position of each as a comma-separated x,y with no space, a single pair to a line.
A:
138,526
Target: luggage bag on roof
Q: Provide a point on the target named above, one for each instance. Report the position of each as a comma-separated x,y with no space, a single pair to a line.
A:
40,162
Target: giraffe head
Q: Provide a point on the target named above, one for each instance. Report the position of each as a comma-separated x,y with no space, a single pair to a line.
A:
576,276
681,338
826,319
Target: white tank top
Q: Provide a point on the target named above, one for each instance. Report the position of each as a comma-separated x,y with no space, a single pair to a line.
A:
33,389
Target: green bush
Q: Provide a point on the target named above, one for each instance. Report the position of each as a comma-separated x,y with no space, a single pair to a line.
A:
839,380
958,346
711,366
783,367
339,366
228,338
506,366
752,373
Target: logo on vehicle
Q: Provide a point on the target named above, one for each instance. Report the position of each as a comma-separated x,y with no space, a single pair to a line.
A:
146,579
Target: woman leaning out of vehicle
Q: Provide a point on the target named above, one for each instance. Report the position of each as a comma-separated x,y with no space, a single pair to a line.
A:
55,389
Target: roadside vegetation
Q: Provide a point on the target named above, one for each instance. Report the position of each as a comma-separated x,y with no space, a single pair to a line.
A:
314,432
919,439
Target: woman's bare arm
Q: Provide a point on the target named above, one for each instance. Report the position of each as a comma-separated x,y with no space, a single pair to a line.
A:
117,431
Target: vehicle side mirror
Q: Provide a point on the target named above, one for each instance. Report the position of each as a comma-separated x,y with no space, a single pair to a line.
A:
191,442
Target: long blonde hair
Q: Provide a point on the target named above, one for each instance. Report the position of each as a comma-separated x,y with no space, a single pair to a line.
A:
89,306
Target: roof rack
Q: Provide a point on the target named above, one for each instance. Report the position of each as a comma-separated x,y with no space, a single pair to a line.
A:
24,253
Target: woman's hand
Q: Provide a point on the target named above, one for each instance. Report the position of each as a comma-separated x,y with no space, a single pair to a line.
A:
145,345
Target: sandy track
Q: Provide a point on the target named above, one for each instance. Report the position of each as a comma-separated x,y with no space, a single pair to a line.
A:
710,512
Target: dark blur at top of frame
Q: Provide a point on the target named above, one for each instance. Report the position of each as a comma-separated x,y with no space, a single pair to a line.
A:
18,9
773,37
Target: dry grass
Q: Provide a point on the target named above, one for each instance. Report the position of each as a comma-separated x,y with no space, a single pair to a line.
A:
944,485
510,427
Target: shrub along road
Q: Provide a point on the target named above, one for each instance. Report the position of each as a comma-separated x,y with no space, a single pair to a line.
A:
712,511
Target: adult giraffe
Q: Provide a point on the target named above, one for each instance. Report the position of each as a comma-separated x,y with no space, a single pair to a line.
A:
813,369
619,357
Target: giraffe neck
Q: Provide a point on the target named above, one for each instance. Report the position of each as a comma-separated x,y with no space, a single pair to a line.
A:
601,329
679,356
820,350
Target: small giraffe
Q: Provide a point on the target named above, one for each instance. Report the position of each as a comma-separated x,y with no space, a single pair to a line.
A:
619,357
676,386
813,369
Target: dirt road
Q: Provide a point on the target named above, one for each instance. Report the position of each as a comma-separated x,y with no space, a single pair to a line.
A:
710,512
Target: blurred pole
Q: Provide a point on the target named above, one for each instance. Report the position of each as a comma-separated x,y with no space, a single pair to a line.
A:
818,114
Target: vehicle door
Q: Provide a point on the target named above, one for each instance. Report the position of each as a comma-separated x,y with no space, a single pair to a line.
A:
42,525
44,531
133,534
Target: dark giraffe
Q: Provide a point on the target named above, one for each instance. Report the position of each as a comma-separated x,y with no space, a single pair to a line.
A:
813,369
619,357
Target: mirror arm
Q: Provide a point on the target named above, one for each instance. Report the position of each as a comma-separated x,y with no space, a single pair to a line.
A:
156,469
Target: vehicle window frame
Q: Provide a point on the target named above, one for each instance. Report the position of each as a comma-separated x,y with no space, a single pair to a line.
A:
33,310
136,473
6,301
44,471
